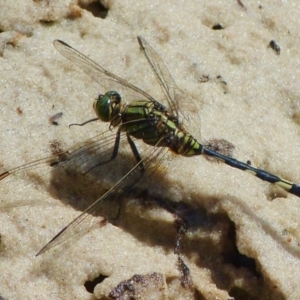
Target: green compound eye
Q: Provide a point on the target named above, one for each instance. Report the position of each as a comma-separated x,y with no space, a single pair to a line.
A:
107,106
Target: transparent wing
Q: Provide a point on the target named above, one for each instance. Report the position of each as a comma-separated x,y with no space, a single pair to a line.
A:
179,104
100,144
92,153
80,162
85,220
94,70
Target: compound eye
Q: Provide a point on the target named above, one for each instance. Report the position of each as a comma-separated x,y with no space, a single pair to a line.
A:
107,106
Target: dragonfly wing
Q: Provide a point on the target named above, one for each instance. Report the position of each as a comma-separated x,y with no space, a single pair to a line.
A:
188,115
90,154
179,103
85,220
94,70
162,74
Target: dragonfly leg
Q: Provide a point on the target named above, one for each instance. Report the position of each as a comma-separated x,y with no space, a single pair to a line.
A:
137,157
116,150
113,156
135,153
116,146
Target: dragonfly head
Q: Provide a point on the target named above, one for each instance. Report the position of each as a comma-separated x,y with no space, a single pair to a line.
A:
107,106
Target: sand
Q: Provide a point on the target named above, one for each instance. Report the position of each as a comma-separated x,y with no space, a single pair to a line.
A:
243,235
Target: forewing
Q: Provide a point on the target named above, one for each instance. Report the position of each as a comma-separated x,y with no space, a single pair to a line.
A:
179,104
95,71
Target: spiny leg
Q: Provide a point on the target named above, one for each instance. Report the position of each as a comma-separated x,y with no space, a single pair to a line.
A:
116,150
117,144
113,156
139,162
262,174
135,153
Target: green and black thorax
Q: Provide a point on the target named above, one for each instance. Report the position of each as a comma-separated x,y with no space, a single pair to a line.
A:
147,120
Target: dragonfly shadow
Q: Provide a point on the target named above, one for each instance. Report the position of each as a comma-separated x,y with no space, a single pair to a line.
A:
144,212
209,240
147,216
80,181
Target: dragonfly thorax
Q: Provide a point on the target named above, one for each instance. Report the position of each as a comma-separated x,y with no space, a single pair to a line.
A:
108,106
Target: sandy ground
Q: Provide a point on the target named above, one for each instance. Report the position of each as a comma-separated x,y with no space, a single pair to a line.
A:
243,234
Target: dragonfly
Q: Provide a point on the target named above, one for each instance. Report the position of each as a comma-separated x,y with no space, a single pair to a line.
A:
162,127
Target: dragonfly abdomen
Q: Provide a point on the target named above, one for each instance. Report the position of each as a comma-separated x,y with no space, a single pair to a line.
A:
185,144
